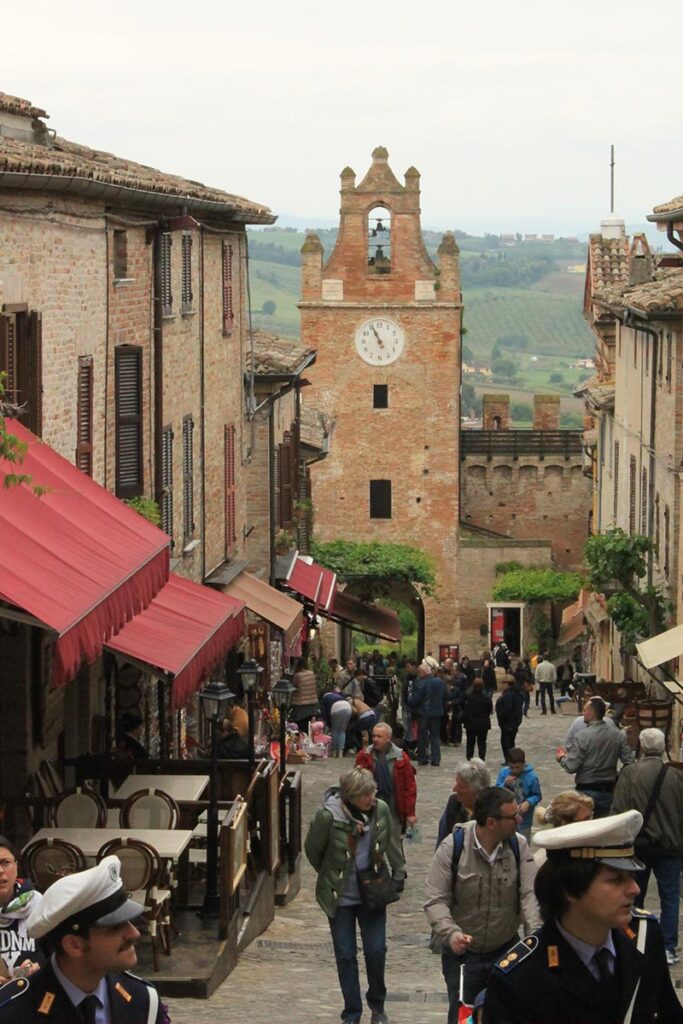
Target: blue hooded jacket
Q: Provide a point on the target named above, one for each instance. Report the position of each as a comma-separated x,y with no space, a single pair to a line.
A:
525,787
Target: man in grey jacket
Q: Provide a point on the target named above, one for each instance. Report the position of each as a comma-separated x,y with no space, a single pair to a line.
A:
594,756
662,829
476,915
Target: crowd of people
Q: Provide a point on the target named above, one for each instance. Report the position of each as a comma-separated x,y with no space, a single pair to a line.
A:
531,907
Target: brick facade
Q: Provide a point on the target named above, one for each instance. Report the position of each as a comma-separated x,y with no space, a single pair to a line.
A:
411,442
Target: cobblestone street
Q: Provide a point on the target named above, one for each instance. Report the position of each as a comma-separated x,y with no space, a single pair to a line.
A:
289,972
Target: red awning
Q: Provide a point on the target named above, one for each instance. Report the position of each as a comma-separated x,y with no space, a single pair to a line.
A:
367,618
184,632
313,581
76,559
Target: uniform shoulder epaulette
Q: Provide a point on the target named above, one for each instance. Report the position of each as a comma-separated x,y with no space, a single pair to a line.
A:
517,954
13,990
640,913
135,977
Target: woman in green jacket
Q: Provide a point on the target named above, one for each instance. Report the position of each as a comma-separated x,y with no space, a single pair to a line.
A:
351,827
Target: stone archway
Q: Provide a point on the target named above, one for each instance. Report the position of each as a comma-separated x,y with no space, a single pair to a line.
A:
395,590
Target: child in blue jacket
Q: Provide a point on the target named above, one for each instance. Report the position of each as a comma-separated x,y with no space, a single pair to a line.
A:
521,778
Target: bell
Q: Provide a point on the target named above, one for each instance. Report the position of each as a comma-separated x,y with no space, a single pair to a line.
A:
380,226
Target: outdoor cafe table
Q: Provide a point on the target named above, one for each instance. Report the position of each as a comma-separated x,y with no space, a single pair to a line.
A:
169,843
180,787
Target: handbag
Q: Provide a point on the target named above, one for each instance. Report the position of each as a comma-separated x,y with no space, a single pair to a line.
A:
375,884
646,849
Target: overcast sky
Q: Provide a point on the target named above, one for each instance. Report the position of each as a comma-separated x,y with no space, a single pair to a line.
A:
507,109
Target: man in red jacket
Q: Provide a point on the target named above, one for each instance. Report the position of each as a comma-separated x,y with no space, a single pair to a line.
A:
395,778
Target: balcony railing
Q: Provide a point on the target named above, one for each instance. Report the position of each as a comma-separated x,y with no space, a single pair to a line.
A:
541,443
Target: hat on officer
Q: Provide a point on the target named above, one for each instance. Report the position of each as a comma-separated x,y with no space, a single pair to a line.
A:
608,841
95,897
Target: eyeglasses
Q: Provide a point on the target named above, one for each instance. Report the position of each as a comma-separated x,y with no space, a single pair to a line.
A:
7,864
508,817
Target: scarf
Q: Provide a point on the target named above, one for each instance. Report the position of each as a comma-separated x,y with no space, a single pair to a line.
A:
19,907
385,786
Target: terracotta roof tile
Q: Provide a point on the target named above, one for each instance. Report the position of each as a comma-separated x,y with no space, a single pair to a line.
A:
15,105
671,207
609,261
663,294
314,427
276,355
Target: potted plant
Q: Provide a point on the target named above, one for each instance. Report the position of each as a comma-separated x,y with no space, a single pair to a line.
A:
284,541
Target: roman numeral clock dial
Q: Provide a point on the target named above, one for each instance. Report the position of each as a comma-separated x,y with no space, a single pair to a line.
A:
379,341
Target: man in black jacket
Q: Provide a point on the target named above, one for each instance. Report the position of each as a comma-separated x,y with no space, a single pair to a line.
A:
86,921
595,960
509,712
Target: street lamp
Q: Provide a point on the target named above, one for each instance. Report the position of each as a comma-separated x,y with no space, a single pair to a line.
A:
250,673
214,700
282,699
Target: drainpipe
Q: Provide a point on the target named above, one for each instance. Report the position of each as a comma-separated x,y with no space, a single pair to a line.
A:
158,354
202,398
671,237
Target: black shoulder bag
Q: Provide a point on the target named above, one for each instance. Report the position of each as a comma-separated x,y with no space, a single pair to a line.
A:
375,884
646,848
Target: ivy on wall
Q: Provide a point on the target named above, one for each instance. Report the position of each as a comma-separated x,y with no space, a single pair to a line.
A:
378,565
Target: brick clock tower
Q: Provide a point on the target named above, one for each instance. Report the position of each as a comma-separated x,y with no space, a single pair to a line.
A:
386,323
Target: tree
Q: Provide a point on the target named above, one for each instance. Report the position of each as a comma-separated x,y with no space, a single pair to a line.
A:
377,565
617,562
538,586
13,450
470,403
556,378
268,307
467,354
521,411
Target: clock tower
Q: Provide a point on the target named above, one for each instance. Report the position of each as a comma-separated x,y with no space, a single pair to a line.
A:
386,322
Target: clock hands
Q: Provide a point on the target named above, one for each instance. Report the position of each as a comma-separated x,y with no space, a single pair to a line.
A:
374,331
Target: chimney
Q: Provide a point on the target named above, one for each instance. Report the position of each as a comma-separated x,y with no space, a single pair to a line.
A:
496,412
546,412
311,267
613,227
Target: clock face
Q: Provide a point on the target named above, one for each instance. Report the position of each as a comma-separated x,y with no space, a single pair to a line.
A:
379,341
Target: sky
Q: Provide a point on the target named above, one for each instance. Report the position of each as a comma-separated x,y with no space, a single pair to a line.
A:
508,110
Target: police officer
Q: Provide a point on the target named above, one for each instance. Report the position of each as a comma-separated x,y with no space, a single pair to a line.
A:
86,922
595,960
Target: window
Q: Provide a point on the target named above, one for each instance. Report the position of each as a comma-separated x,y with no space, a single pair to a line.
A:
660,361
165,261
615,496
635,349
380,396
188,483
128,374
379,240
380,499
228,308
84,400
632,479
166,502
21,361
657,526
186,291
287,479
669,356
230,516
667,541
643,502
120,248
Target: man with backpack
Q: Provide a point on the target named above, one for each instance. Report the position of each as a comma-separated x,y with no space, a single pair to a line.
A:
480,889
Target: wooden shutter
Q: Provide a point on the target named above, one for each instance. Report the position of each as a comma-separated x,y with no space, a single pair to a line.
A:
643,502
128,372
8,355
286,483
667,541
84,415
167,481
276,487
632,479
230,481
21,362
657,531
188,483
186,298
228,307
615,495
380,499
165,259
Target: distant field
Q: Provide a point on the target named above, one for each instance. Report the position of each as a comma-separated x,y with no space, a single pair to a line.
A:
279,283
552,321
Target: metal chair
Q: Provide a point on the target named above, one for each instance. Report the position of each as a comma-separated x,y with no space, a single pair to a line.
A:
150,808
142,872
81,807
47,860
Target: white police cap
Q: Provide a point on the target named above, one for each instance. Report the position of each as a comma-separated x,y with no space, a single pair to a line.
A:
606,840
95,897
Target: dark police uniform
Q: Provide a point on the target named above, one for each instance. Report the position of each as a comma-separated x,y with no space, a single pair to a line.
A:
541,980
41,998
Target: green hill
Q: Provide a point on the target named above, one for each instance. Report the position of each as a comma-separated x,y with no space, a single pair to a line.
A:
552,321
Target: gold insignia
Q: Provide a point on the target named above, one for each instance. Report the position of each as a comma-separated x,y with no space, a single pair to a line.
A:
46,1005
122,992
630,933
505,963
553,956
20,983
512,956
529,942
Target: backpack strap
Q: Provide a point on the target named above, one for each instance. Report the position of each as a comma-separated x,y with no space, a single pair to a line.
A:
459,842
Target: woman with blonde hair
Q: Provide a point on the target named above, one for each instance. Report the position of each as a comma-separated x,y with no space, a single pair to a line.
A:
563,809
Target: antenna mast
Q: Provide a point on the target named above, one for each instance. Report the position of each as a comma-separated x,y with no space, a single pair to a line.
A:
611,180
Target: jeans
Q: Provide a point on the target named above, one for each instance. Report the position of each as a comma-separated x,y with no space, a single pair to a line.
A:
429,728
601,798
478,735
477,967
373,932
340,719
508,735
527,698
547,689
668,874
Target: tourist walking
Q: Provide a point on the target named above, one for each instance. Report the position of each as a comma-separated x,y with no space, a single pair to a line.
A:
394,774
479,890
428,701
595,755
350,831
656,790
509,712
488,676
471,778
546,677
305,695
523,782
477,709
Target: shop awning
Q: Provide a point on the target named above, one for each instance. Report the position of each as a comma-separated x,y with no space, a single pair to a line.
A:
663,647
574,618
367,618
268,603
76,559
312,581
185,631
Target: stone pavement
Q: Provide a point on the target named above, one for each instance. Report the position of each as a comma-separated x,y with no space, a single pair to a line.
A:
289,974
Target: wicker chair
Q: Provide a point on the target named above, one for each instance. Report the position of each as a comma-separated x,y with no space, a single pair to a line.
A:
81,807
47,860
142,871
150,808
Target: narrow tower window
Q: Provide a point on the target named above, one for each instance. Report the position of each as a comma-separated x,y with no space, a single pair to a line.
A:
380,396
379,240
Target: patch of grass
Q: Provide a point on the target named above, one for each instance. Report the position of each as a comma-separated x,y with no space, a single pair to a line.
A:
552,322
